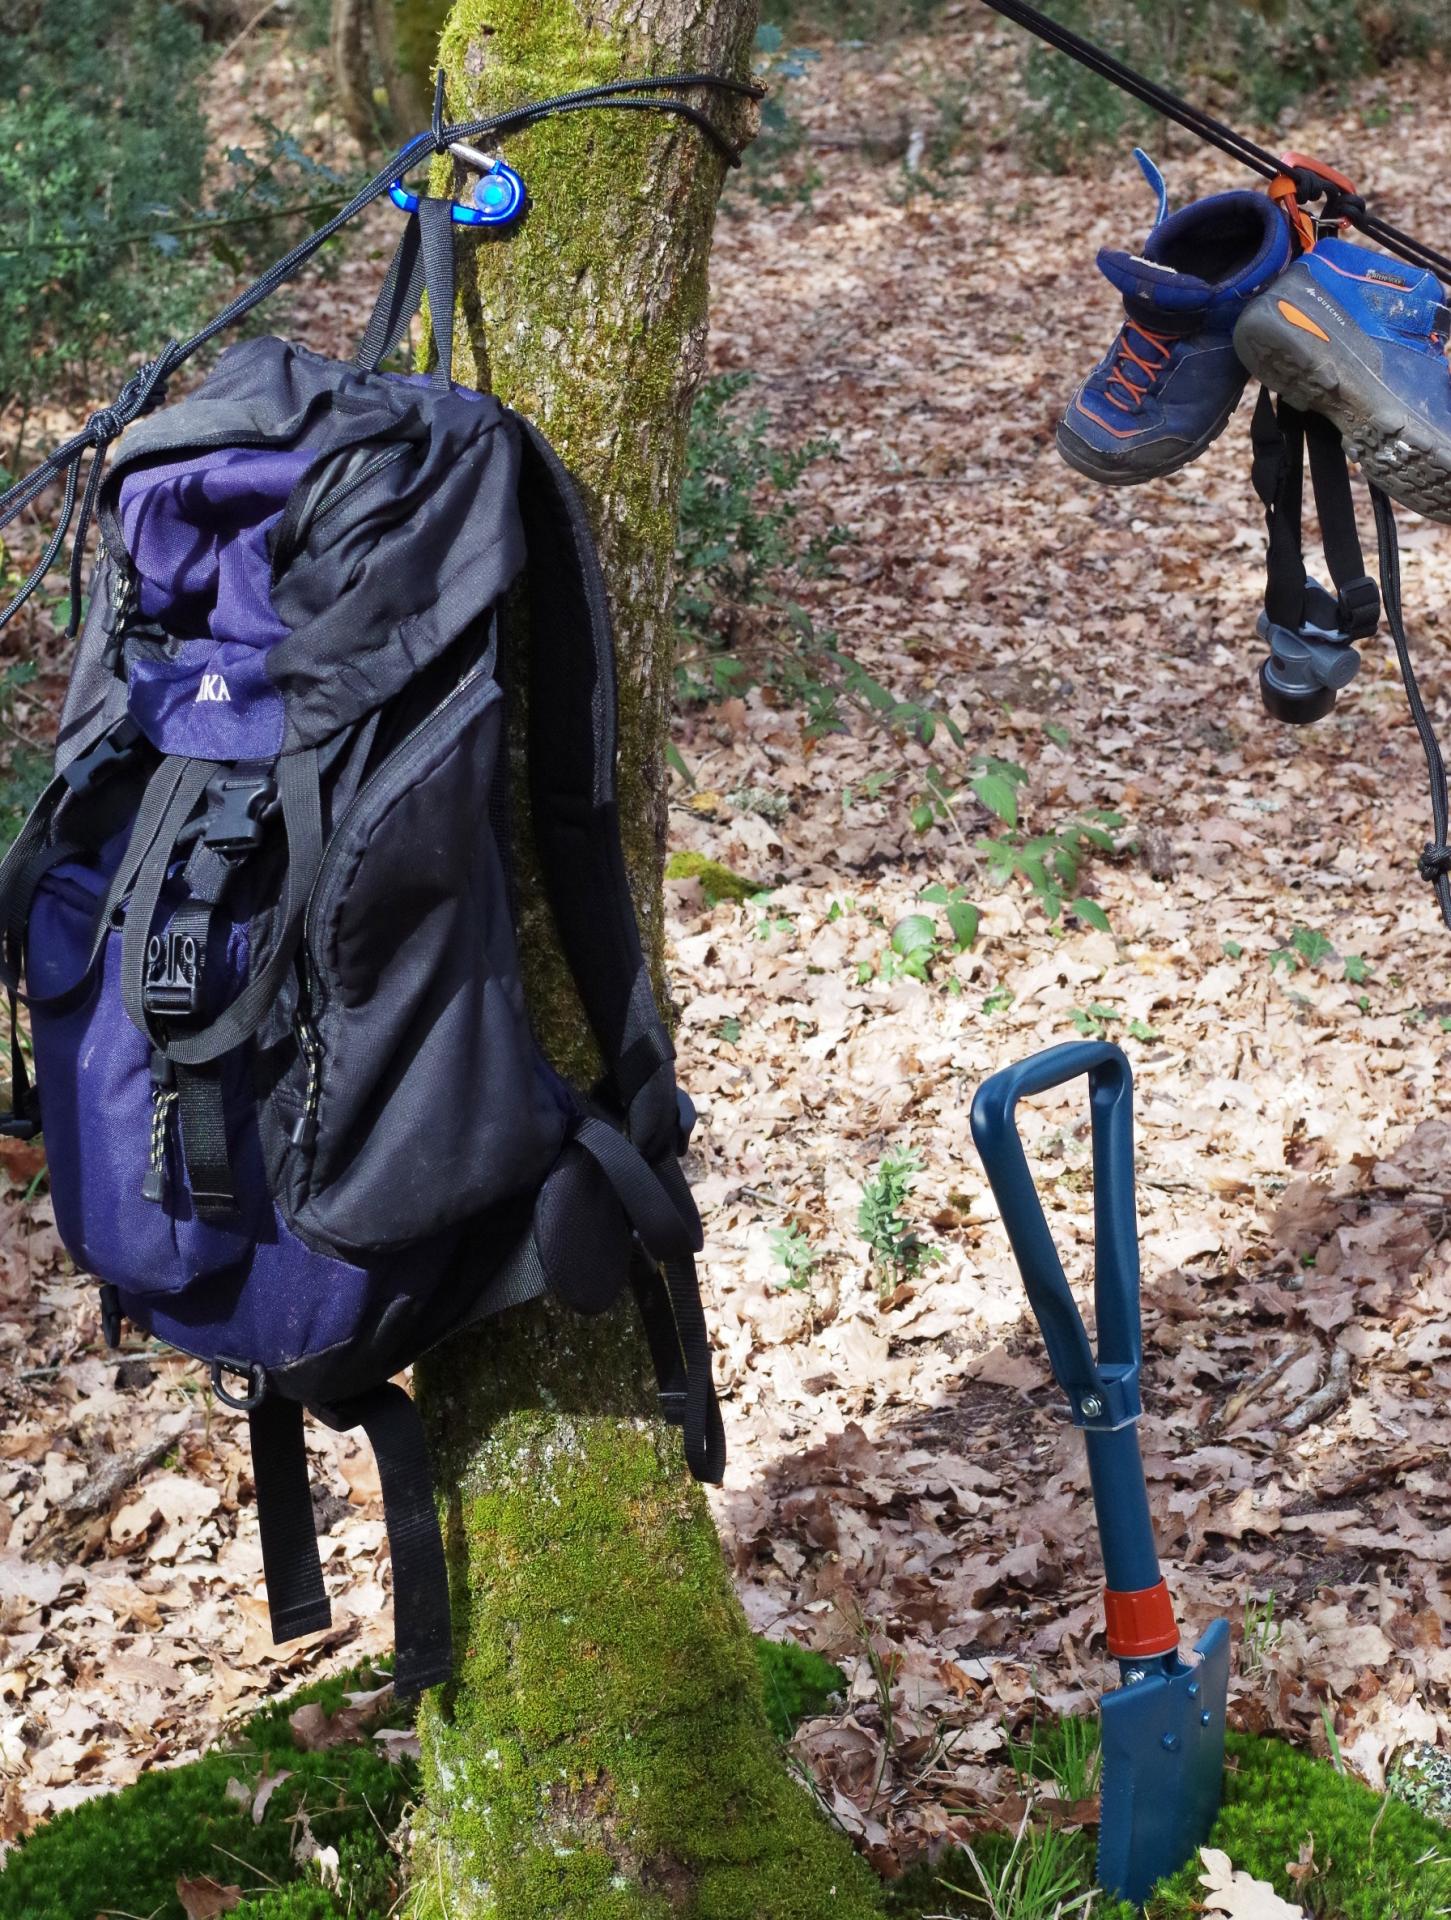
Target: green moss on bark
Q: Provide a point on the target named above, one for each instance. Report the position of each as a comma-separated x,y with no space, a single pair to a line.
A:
610,1720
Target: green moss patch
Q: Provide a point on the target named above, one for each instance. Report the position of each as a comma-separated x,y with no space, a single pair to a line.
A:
717,882
1373,1856
124,1852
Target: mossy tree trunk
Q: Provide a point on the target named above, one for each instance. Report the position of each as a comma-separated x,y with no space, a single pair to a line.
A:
604,1752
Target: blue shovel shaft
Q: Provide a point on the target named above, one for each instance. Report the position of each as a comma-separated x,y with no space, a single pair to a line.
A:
1121,1501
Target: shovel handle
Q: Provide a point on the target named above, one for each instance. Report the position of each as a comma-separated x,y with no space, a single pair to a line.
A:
1102,1388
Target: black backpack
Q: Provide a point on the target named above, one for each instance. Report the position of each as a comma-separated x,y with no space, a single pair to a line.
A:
296,1119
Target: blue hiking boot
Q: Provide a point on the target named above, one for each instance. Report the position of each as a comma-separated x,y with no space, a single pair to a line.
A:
1169,383
1361,338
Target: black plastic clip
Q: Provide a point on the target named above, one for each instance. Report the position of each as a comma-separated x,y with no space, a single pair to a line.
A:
1359,607
117,747
173,985
238,807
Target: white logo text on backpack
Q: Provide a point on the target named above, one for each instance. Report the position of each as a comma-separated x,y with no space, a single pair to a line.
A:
213,687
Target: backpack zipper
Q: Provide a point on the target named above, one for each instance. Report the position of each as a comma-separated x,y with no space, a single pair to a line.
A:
364,794
345,490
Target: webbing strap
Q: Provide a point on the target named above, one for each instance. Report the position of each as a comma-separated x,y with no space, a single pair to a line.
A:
422,1630
1280,435
297,1601
573,809
398,299
435,233
204,1145
186,781
663,1214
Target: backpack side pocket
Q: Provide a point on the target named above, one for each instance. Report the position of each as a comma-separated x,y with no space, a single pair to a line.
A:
430,1100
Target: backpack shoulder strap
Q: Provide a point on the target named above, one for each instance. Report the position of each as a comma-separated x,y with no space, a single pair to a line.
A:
575,817
573,805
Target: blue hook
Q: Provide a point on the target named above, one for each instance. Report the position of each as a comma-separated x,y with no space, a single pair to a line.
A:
499,195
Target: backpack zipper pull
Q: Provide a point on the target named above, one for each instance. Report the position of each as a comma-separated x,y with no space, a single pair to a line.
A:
304,1132
163,1099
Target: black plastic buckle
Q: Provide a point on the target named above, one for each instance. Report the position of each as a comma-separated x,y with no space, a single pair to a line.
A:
116,748
238,807
1359,602
173,984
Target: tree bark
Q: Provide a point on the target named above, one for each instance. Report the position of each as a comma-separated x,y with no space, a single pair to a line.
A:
604,1752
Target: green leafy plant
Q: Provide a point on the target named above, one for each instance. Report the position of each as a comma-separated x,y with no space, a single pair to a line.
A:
740,555
898,1249
795,1255
1308,947
81,243
24,764
1094,1021
1051,863
1065,1752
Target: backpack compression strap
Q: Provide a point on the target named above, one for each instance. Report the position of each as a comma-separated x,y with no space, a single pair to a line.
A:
575,818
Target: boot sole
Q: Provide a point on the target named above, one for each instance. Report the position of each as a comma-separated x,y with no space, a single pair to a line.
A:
1396,450
1085,459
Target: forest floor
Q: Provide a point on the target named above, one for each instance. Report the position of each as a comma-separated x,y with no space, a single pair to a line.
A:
904,1492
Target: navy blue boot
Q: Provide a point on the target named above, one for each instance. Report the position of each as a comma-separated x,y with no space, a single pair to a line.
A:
1169,383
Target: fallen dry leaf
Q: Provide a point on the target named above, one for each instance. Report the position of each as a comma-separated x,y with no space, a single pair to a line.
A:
204,1899
1238,1896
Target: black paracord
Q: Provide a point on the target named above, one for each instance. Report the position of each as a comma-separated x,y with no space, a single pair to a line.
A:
1435,861
147,387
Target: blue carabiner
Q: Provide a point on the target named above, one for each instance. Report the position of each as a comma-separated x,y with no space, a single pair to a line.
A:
499,198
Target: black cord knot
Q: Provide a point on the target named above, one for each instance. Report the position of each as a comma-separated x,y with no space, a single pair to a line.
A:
105,425
1435,861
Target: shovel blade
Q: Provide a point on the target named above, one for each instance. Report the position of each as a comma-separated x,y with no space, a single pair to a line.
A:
1163,1768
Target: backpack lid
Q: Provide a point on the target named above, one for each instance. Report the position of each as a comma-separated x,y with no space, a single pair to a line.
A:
399,530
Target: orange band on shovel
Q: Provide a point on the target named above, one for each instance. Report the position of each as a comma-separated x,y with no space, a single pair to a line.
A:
1140,1623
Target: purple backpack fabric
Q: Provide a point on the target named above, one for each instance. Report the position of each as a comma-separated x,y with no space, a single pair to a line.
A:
296,1120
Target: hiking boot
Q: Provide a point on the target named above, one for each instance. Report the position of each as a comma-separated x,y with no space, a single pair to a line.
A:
1361,338
1169,383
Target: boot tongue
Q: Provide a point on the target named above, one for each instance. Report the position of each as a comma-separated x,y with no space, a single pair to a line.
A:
1156,295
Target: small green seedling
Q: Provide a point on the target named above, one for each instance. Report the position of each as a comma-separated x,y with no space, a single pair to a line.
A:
794,1254
898,1250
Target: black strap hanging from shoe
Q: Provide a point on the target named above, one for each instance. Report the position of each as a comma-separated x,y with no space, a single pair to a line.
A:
1280,435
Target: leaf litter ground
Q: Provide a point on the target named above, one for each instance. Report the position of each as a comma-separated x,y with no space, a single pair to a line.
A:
903,1492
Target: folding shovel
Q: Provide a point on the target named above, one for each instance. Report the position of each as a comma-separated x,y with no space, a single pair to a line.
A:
1163,1729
